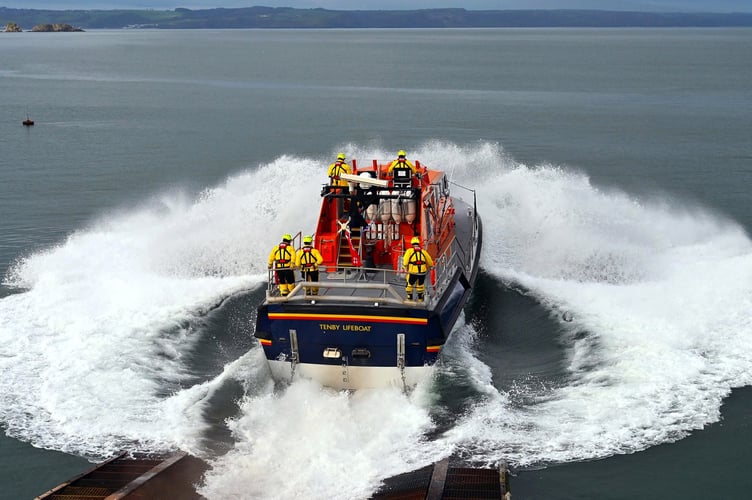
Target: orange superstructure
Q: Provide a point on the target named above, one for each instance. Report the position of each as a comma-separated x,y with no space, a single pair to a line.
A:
377,222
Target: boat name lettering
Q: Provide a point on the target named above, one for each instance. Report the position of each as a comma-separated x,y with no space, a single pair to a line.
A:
348,327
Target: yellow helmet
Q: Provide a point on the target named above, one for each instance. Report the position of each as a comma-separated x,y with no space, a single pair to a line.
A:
341,156
286,237
415,241
401,152
308,240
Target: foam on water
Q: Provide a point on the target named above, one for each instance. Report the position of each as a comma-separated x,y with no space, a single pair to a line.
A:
658,295
309,442
93,353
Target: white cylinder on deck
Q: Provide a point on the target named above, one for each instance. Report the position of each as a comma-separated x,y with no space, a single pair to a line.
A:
385,210
397,209
371,211
409,210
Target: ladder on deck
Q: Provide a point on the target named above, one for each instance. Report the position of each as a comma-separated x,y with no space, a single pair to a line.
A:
344,259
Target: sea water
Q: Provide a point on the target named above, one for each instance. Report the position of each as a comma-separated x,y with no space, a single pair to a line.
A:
608,338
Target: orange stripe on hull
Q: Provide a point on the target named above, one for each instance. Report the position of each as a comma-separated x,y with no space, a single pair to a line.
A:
433,348
348,317
265,342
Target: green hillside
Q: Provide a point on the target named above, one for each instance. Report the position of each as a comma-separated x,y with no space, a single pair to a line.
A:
286,17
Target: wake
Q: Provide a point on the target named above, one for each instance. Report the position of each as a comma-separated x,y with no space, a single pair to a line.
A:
662,291
94,353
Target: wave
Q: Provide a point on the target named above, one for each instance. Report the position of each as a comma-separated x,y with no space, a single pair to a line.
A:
661,289
96,351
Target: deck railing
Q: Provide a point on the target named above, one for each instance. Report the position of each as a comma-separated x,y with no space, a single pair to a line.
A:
378,285
371,285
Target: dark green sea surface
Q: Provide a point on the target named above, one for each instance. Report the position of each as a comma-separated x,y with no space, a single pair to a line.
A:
606,353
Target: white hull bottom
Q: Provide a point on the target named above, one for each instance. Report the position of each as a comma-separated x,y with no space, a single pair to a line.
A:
351,377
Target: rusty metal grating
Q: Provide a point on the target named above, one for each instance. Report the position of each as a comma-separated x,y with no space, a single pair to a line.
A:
464,483
408,486
81,493
120,476
439,481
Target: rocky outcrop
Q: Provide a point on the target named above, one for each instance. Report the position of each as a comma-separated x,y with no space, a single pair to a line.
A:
12,28
54,27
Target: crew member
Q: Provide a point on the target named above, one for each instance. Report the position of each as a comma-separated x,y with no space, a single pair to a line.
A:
417,262
401,162
336,169
308,260
282,259
401,171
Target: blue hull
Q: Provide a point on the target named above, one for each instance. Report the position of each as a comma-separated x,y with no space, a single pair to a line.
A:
356,327
366,335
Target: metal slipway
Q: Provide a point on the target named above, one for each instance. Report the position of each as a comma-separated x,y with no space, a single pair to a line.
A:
129,477
441,480
149,478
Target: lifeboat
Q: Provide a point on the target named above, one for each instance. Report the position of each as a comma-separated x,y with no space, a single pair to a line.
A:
360,330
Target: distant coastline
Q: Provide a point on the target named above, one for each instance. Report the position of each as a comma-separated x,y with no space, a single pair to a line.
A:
288,17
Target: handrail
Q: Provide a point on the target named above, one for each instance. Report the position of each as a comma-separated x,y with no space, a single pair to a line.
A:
463,187
388,281
388,293
474,236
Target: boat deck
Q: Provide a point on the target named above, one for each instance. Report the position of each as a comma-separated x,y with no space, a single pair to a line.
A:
383,283
351,285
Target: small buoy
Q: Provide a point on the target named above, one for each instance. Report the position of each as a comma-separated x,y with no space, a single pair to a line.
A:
567,316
